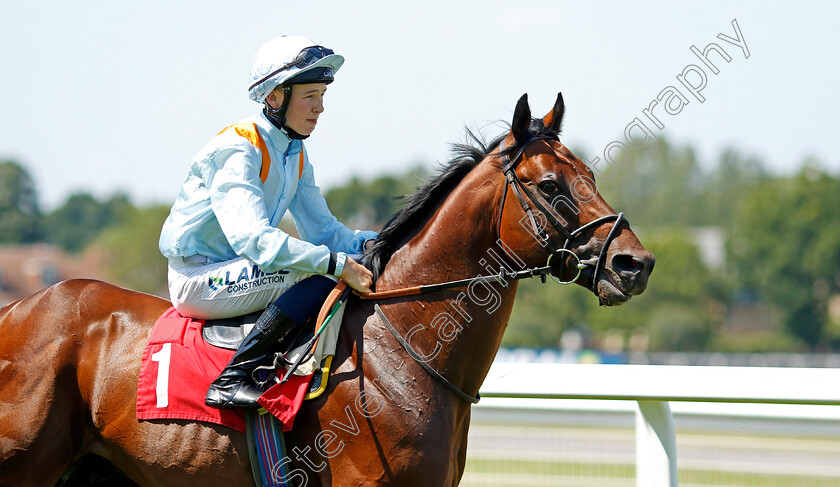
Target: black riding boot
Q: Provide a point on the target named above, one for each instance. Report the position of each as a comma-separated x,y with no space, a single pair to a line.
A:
235,388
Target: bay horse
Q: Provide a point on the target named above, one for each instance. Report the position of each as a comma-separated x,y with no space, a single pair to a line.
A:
70,354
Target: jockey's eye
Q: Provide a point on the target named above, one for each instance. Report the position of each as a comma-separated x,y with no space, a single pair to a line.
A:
548,186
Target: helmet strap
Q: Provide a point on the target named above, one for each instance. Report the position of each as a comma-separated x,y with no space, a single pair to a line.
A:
277,116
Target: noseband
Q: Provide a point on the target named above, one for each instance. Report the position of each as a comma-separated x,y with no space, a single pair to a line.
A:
522,192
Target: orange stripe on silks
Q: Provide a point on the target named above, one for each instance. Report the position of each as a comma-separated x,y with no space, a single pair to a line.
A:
250,132
300,162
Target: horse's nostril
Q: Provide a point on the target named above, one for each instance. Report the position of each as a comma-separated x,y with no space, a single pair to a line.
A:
627,263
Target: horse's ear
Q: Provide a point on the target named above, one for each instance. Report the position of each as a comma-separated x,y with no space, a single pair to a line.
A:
521,117
554,119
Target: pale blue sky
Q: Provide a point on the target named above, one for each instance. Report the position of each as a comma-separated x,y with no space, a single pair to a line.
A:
107,96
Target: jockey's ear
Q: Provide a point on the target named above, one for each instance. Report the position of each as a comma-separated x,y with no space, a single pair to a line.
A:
521,118
554,119
275,98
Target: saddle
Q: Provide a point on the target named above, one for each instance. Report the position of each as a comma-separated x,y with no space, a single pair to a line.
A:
229,333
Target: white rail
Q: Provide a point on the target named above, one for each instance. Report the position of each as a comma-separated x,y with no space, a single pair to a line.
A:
654,387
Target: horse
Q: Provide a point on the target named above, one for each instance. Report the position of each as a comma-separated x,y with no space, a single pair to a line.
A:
408,364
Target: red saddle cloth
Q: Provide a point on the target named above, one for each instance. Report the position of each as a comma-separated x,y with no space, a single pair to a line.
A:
177,368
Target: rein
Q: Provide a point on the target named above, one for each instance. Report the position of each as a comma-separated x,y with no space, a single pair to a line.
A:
434,373
523,196
501,278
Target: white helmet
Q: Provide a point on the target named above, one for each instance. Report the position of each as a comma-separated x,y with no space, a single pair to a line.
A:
290,60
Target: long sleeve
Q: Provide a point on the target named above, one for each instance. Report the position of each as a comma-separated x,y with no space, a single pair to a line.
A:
225,210
316,223
237,199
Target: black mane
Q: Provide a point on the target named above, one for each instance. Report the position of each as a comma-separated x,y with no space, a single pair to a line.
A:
422,203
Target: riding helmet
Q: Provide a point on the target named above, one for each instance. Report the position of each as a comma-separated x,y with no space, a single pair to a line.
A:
289,60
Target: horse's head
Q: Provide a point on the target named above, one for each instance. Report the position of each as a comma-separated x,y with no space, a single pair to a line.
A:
551,210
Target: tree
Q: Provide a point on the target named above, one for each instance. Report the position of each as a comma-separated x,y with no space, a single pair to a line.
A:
681,304
369,204
82,218
542,312
660,187
683,299
786,246
734,177
20,217
129,250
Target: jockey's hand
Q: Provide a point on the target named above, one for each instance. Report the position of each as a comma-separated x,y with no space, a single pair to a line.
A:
357,276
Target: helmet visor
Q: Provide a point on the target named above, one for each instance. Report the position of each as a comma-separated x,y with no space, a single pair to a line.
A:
306,57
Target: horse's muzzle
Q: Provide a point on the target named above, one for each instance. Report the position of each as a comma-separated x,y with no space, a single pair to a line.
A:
625,275
632,270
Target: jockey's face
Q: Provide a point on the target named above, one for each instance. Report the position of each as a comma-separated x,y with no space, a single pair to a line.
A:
306,105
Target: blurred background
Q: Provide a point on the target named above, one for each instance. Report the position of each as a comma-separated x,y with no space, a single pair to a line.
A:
104,104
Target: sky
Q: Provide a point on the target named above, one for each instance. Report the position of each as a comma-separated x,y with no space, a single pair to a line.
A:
106,97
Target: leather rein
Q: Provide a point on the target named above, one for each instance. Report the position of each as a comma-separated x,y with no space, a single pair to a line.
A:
526,199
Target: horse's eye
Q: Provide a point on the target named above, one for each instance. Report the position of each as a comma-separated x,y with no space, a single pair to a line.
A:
548,187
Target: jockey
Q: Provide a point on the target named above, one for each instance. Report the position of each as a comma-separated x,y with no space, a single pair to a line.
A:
226,255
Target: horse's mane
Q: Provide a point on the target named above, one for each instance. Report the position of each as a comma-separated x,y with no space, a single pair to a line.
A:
422,203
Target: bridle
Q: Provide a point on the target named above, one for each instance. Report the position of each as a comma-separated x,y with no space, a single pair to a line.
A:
521,191
523,196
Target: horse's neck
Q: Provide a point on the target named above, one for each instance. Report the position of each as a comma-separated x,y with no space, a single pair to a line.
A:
466,323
